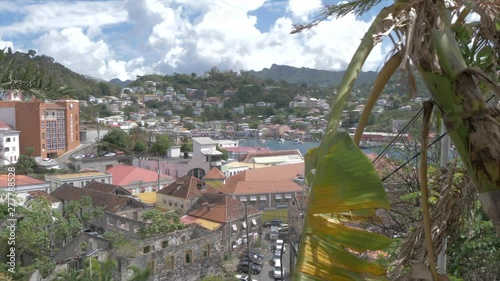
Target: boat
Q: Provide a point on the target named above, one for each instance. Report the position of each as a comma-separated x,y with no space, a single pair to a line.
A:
298,141
262,141
281,141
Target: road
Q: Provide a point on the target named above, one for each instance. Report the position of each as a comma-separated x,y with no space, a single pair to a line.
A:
267,273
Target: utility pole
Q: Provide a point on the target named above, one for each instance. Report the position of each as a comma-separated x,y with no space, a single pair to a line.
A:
250,263
158,170
445,150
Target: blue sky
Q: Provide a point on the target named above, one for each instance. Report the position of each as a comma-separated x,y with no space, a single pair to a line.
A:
123,38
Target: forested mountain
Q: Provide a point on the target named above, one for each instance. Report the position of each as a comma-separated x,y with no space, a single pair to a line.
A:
82,86
308,76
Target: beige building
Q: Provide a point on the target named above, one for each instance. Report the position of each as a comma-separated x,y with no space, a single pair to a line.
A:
77,179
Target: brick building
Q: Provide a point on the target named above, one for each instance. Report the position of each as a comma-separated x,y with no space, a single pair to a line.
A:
50,128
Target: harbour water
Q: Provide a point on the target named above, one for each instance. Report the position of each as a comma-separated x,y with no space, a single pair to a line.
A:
273,144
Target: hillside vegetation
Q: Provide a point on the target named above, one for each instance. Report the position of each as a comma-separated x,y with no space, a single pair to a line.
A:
81,86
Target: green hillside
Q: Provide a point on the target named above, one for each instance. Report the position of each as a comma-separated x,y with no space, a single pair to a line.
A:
308,76
81,86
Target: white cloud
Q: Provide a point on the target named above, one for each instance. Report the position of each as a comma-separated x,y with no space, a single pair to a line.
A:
6,44
46,16
187,36
302,10
74,49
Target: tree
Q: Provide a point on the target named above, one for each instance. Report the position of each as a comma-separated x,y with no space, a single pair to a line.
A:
30,80
117,138
434,45
161,144
140,146
160,223
26,162
31,54
225,154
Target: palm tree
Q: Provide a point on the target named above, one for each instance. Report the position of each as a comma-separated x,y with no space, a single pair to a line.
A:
29,80
433,37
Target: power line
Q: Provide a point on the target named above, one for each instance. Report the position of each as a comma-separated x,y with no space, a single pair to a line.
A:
393,141
414,156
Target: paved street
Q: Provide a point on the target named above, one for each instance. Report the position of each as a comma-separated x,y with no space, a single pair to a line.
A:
267,273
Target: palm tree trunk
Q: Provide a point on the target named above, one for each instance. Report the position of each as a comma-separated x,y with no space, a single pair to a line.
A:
473,126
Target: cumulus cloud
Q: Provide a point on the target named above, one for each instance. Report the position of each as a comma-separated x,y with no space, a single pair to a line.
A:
6,44
187,36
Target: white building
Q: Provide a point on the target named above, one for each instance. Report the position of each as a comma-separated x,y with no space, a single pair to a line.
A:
9,145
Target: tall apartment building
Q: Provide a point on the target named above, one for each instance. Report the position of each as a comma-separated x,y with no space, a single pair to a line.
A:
50,128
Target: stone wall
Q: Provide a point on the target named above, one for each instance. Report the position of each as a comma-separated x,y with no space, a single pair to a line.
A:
186,255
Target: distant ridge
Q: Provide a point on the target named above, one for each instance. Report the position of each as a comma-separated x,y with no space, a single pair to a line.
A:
305,75
120,83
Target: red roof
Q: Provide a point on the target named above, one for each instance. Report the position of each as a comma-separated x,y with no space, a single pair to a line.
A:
275,179
124,175
4,126
213,174
20,180
221,208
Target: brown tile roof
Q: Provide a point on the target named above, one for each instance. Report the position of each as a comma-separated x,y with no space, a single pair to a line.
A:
37,194
275,179
187,187
214,173
248,158
220,208
107,188
20,180
109,202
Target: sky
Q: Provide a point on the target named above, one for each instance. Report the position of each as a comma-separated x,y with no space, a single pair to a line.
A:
127,38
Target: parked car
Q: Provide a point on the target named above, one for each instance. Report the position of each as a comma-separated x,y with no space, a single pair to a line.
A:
47,160
245,258
243,277
283,228
243,267
78,156
277,271
109,154
280,244
276,258
252,256
257,254
274,222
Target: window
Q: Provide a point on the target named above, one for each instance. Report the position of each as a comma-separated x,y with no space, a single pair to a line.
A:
279,197
235,228
244,224
170,203
169,263
6,149
254,222
146,249
253,198
110,222
262,198
288,196
103,181
43,135
7,140
164,200
135,216
43,146
243,198
164,244
13,148
188,257
182,206
183,239
13,138
206,251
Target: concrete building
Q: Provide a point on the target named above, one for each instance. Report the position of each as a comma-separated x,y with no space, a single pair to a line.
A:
50,128
77,179
9,145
